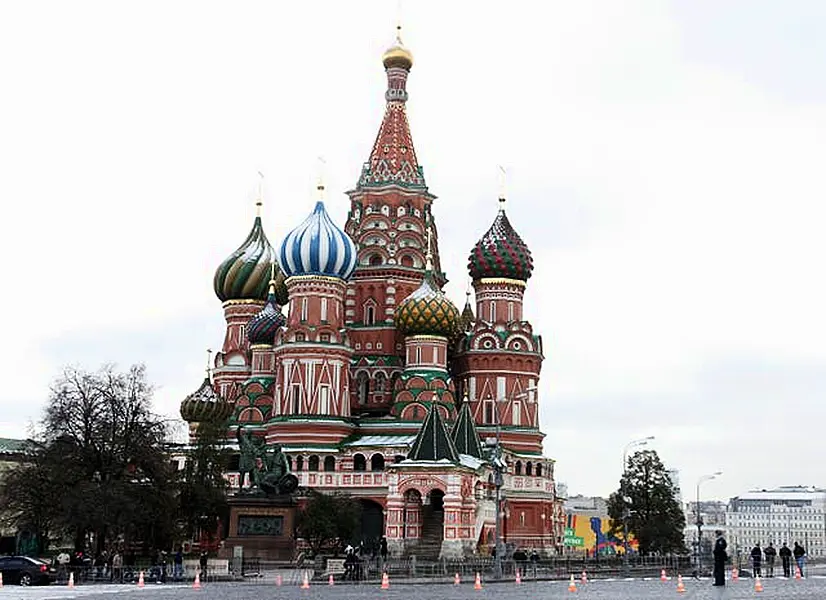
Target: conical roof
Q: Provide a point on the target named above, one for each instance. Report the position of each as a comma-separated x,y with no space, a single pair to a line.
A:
433,443
468,318
464,434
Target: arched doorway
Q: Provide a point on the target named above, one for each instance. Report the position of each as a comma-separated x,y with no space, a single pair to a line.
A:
437,500
372,524
428,513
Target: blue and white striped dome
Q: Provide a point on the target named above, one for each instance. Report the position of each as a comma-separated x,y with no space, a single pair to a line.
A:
318,247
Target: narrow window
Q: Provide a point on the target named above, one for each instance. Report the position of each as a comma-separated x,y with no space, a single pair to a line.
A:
435,355
296,397
492,312
370,315
510,311
517,413
324,309
324,400
304,309
418,355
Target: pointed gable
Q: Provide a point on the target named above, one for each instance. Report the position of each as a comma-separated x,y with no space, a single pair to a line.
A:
464,434
433,443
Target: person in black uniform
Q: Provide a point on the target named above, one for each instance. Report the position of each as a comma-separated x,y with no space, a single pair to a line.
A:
720,558
786,559
757,559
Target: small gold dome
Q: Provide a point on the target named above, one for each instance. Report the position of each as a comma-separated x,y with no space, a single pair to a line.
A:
397,55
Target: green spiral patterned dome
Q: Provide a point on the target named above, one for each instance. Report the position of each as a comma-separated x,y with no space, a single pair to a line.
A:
245,273
204,405
427,311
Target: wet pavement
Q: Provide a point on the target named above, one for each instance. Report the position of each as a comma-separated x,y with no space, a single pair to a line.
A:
813,588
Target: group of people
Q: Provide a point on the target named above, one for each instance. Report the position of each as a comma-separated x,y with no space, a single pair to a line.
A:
786,554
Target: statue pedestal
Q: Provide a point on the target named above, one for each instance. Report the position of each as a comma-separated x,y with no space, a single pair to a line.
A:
261,527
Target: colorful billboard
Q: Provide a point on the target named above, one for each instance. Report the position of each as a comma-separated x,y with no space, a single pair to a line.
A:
587,533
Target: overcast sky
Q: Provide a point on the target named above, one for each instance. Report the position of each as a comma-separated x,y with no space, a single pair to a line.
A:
665,165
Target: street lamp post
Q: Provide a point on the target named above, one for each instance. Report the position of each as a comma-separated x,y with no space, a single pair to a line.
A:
700,521
625,514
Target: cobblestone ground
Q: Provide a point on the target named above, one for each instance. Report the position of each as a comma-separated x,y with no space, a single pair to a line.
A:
810,589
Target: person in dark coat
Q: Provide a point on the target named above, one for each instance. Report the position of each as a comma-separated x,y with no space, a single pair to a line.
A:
770,553
799,556
757,559
786,559
720,558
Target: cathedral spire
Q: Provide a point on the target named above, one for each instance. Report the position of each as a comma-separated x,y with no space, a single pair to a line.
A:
393,158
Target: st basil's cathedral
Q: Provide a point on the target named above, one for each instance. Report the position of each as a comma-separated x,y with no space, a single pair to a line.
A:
341,347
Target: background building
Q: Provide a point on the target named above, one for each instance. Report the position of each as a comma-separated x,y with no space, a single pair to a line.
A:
588,527
784,514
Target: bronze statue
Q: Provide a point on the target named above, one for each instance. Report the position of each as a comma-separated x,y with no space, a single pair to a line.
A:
268,468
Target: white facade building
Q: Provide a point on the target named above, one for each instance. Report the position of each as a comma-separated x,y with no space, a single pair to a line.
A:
785,514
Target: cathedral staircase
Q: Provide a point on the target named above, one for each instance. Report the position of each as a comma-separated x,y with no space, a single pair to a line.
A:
430,542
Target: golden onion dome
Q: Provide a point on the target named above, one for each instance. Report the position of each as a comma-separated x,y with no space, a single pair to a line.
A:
397,55
427,311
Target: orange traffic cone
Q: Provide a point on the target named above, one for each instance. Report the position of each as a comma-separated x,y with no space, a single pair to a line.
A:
331,581
305,585
680,584
71,580
140,579
797,574
278,580
735,574
518,577
572,584
758,585
196,585
385,581
456,579
663,576
584,577
478,583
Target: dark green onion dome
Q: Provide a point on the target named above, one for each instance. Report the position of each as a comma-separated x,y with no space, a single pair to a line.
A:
500,252
263,327
204,405
427,311
245,273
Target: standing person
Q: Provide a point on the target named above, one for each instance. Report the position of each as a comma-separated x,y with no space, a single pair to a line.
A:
117,567
203,564
770,553
178,569
534,560
799,556
383,550
786,559
720,558
756,559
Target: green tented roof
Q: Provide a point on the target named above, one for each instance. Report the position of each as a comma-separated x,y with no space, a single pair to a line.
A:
433,443
464,434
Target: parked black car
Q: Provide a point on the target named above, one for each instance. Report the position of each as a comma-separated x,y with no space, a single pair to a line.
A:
23,570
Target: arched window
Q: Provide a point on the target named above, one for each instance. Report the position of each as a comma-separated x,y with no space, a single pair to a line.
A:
380,383
313,463
377,462
407,260
539,469
492,311
529,469
363,387
290,462
369,314
359,462
299,463
517,470
329,463
375,260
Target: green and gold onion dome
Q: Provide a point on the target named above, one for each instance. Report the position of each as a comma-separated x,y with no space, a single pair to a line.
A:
204,405
427,311
245,274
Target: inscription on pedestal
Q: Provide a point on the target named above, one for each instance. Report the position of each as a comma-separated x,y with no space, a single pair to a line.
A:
260,525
